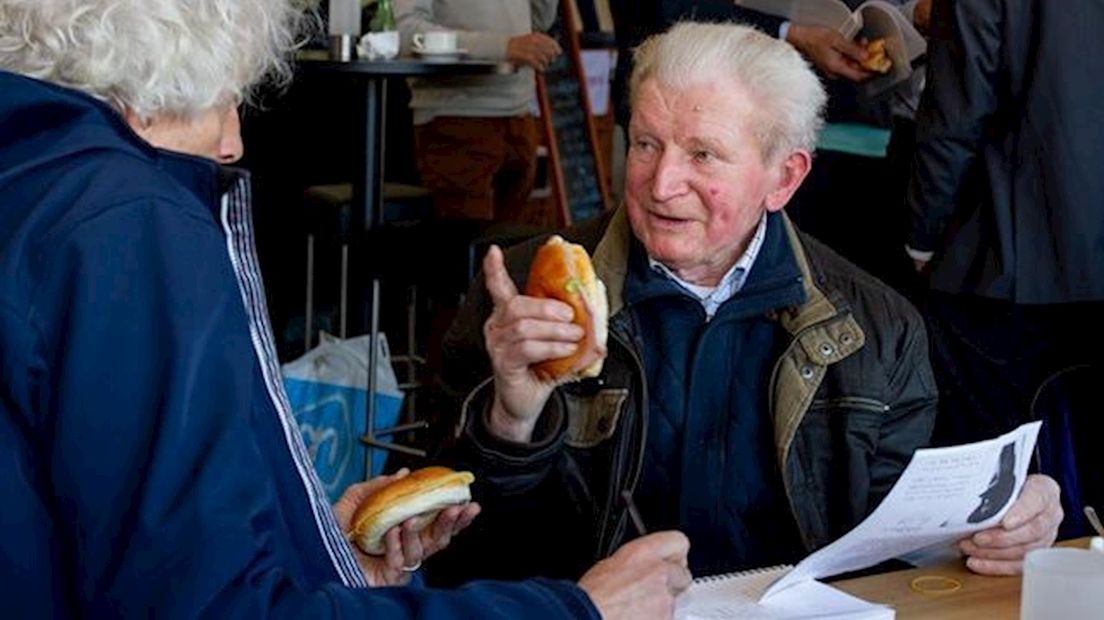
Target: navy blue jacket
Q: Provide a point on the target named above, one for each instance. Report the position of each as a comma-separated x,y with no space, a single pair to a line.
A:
710,469
151,467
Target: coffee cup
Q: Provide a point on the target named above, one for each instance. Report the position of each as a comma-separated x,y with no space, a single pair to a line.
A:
435,42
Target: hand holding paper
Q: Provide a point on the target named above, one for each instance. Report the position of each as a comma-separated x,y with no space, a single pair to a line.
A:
1031,523
943,494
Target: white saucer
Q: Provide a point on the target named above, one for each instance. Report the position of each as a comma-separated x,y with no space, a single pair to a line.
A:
456,54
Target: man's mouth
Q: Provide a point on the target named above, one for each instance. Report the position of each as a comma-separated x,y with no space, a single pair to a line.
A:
668,219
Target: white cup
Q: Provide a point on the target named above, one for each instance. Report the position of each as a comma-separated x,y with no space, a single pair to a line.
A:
1063,583
435,42
379,45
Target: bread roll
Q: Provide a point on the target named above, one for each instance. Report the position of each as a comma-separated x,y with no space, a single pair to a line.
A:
877,58
420,495
563,271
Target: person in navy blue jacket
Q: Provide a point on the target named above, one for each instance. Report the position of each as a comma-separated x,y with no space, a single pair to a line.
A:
151,465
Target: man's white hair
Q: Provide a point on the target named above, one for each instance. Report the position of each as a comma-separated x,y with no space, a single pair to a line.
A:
151,57
782,87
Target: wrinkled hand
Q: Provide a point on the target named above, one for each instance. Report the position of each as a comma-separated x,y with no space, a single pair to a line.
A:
640,580
404,546
536,50
833,54
522,331
1031,523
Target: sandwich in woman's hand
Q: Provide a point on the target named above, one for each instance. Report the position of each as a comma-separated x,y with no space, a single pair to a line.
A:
420,496
563,271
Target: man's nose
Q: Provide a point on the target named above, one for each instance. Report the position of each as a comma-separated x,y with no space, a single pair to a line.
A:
669,180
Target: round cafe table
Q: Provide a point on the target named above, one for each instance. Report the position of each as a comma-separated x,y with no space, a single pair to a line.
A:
369,173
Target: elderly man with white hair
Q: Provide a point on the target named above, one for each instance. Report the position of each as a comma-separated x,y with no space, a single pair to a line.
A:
152,468
760,393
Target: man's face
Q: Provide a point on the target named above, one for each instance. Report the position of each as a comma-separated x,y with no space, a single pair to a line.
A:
696,182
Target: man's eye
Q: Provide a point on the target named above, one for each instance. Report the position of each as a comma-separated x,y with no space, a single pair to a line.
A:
644,146
703,157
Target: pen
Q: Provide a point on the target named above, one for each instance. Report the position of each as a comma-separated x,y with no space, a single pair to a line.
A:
634,514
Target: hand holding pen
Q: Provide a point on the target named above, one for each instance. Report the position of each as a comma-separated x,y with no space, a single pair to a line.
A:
643,577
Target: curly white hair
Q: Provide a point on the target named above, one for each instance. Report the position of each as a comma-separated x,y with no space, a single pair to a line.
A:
151,57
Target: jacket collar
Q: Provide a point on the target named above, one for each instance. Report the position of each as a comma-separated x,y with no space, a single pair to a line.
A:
611,259
49,122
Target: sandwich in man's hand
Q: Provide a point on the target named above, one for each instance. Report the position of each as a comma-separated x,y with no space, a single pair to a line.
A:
419,496
563,271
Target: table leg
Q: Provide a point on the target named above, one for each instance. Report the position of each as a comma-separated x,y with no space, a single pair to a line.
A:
368,192
368,189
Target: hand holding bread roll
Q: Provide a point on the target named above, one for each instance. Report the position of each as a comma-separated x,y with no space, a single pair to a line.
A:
420,496
565,325
563,271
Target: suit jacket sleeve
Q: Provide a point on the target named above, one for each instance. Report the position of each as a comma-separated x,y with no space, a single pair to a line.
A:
955,112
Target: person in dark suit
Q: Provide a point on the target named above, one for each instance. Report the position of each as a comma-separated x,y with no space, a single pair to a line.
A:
1007,202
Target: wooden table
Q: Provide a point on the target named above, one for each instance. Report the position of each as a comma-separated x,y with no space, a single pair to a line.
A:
979,596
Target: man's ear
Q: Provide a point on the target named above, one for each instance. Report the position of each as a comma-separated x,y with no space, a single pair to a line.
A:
791,171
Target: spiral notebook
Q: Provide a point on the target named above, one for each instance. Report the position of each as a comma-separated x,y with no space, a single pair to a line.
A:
736,595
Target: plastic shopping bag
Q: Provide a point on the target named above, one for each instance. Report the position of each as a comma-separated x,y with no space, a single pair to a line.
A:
328,390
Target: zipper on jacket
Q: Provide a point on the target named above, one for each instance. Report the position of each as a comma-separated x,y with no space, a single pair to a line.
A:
852,402
634,476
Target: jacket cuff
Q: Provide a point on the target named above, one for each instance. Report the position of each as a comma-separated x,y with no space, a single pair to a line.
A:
548,435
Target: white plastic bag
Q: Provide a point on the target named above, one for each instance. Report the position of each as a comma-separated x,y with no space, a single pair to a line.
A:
328,389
